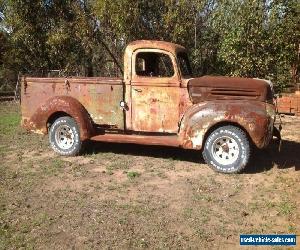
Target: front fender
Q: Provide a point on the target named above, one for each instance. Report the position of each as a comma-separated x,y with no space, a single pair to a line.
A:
252,116
66,104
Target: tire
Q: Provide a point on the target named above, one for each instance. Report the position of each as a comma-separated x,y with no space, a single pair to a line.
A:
227,149
64,136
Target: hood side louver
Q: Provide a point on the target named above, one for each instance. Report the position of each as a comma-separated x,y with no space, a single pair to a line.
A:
228,88
234,92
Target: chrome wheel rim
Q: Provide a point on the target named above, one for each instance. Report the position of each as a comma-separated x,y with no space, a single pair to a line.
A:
225,150
64,137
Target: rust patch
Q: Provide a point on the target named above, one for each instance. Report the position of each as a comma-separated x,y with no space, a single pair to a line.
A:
53,87
139,139
155,109
228,88
99,99
66,104
155,103
253,117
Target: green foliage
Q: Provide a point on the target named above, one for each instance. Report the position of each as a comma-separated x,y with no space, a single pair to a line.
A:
259,39
133,174
251,38
9,123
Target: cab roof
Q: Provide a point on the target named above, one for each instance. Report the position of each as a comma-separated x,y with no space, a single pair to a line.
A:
152,44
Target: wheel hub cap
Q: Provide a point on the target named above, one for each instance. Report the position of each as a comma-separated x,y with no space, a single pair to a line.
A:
225,150
64,137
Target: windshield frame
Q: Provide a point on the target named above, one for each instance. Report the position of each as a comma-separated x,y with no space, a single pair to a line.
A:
183,56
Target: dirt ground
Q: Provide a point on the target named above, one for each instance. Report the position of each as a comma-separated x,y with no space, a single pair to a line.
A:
121,196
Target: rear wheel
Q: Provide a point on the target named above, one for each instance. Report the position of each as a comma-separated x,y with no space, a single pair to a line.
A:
64,136
227,150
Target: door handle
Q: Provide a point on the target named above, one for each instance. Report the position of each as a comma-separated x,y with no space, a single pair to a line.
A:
138,90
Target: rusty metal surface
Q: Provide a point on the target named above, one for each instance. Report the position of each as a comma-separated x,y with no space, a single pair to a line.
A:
146,44
152,44
233,88
155,109
100,98
139,139
156,103
184,109
253,117
38,121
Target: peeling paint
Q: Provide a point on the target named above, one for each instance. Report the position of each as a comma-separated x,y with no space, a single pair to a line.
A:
182,111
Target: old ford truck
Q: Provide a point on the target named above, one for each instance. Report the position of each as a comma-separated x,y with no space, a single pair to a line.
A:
157,102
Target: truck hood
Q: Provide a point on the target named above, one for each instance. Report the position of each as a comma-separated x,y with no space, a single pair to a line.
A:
232,88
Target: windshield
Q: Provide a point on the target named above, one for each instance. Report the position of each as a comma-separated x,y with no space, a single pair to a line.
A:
184,65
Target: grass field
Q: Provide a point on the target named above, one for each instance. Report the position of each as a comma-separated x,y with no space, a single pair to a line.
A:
129,196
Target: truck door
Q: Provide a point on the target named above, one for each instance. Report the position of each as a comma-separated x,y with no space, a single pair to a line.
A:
155,94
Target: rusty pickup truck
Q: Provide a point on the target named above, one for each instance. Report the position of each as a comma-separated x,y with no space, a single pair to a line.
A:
157,102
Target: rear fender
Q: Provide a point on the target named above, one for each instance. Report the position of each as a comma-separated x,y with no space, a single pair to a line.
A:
60,104
252,117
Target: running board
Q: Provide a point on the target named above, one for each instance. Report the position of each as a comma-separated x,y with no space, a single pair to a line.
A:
167,140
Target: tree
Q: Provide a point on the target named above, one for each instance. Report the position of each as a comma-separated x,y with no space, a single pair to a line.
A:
258,38
284,37
252,38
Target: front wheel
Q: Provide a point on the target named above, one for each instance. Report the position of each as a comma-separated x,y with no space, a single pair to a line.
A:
227,149
64,136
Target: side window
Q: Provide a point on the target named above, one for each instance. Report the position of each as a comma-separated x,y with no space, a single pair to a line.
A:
153,64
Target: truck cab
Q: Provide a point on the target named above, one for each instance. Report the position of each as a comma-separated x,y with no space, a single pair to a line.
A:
157,102
154,83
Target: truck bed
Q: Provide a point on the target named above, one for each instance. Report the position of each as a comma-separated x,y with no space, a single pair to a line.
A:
100,96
